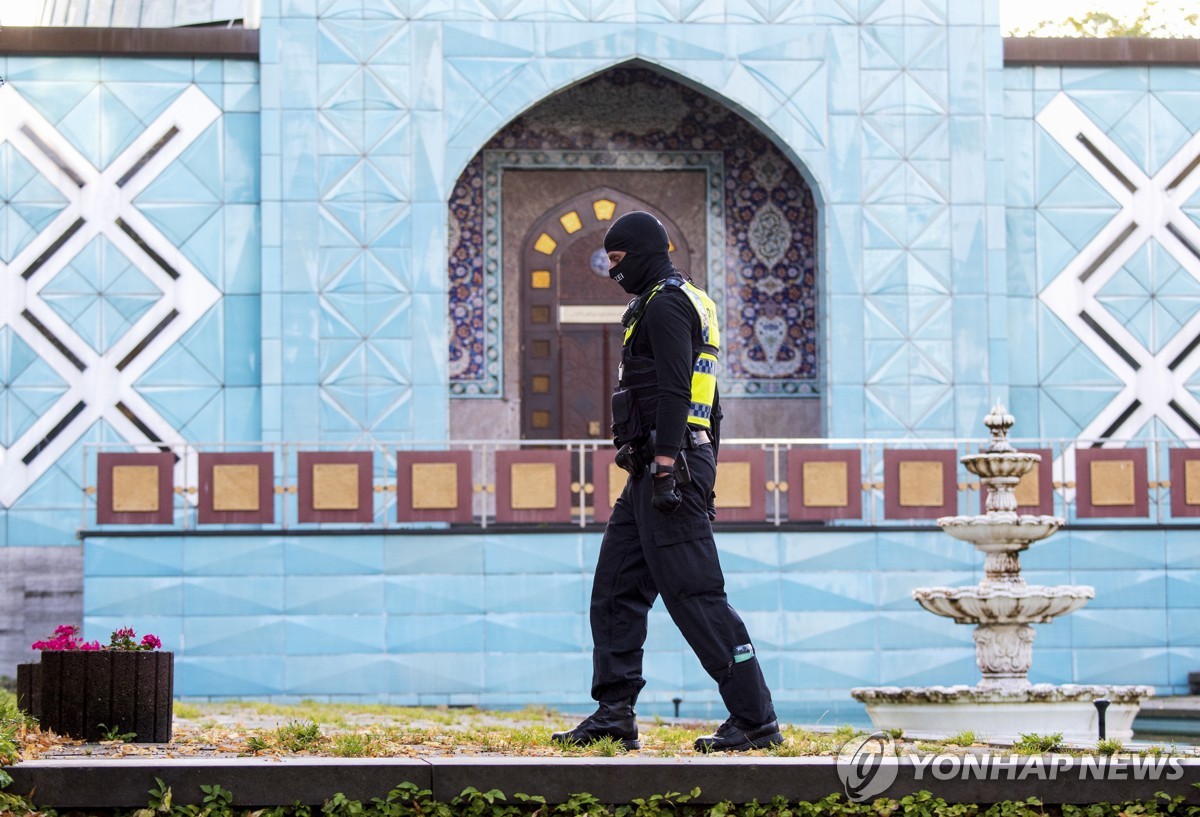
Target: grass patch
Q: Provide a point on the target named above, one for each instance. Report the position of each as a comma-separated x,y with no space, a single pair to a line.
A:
1031,743
299,736
964,738
186,710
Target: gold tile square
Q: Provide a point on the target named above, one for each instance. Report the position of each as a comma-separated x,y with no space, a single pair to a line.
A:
335,486
541,419
1112,482
540,384
825,485
540,314
921,484
604,209
434,486
617,477
733,488
534,486
1191,482
1028,490
540,279
571,222
235,487
134,488
545,244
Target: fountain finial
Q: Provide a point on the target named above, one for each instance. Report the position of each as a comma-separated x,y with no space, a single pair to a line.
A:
999,421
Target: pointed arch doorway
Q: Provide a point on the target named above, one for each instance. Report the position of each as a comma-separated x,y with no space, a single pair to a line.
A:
571,314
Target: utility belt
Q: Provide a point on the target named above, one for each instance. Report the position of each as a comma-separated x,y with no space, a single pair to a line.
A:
635,457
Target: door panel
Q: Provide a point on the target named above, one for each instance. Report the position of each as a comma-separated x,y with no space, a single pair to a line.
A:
570,316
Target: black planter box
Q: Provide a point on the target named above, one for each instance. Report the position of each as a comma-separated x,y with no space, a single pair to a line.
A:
88,694
1194,683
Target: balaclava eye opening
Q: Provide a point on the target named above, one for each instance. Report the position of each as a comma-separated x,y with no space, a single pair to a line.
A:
644,241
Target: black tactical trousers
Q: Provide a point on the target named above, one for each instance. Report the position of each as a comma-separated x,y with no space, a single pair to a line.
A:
645,554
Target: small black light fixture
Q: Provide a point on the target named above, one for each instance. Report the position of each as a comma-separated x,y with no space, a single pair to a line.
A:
1101,705
677,702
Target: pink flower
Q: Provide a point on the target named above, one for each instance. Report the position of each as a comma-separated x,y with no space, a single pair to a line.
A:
66,637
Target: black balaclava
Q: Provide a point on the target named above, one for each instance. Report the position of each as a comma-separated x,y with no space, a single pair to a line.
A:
644,241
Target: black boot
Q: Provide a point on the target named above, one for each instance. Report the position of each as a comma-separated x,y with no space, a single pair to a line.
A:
614,719
730,737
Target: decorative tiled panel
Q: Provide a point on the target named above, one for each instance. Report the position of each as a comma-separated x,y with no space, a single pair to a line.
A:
1099,230
135,489
1111,482
129,206
765,214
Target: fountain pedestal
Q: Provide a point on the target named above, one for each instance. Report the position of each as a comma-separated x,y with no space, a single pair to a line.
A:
1003,705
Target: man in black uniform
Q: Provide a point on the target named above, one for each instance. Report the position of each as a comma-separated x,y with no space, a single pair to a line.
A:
659,538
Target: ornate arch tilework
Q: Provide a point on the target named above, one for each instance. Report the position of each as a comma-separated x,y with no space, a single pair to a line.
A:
765,218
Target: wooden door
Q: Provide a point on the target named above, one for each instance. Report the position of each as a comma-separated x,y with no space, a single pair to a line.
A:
570,318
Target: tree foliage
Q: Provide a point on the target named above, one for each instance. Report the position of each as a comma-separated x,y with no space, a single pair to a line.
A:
1155,19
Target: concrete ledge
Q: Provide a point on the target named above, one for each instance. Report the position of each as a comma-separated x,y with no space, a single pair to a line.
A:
255,782
126,782
1100,51
231,43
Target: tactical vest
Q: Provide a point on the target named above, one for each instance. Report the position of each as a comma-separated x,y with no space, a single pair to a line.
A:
635,402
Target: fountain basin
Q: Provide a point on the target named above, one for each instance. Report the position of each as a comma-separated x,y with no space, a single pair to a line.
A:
1001,717
1003,603
1000,529
1013,464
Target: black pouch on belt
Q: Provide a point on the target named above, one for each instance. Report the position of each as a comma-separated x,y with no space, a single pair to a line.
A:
626,421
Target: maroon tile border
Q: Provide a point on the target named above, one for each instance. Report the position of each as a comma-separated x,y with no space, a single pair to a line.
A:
892,509
601,459
561,512
798,510
1084,508
366,501
1180,457
757,512
1045,472
405,512
194,41
206,514
165,515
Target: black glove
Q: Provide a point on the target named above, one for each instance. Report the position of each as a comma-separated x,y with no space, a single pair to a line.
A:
666,496
712,506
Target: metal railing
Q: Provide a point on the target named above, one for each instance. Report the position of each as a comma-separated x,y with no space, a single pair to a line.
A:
776,455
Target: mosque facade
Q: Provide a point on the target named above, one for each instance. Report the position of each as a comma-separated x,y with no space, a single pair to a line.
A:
370,227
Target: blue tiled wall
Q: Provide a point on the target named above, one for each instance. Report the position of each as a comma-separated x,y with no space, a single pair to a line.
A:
954,201
503,619
371,112
103,342
1126,370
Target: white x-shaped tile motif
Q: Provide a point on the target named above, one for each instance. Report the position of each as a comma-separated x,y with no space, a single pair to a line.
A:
1154,381
100,203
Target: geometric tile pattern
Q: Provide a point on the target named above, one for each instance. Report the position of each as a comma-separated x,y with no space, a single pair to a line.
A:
888,115
100,292
763,219
1131,291
908,281
464,632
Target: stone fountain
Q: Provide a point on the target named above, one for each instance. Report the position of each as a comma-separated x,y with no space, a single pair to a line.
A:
1004,704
